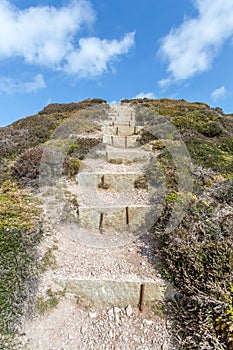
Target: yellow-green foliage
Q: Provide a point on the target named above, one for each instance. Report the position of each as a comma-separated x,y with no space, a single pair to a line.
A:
207,132
19,235
72,147
74,165
49,302
224,322
48,260
159,144
171,197
216,155
141,182
16,208
197,255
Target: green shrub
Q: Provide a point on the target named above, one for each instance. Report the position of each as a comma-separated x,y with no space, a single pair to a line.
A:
73,147
74,165
210,129
45,304
71,107
141,182
210,155
198,257
171,198
224,322
18,273
158,145
20,233
84,145
48,260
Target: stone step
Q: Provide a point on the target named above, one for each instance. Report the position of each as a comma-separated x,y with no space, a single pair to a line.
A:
116,293
125,155
98,164
123,118
121,141
122,123
120,218
114,181
121,130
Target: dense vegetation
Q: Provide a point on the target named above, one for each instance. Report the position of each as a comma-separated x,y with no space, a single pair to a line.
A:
197,255
20,232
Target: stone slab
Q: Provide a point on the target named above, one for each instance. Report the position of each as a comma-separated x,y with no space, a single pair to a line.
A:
121,130
126,155
124,117
119,218
120,141
109,293
115,181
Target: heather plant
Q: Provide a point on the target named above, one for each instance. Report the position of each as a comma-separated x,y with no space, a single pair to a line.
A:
197,255
20,233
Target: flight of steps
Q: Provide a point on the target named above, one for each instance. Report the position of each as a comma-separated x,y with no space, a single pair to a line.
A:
114,213
98,183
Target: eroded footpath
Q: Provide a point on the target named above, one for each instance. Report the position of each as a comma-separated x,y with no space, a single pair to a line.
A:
88,297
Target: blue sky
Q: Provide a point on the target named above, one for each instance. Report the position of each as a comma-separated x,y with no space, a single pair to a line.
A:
68,50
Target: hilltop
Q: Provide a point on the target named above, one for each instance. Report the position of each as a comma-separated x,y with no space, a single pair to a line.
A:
196,256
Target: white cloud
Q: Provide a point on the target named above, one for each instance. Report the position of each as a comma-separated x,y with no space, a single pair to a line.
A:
218,93
191,48
94,55
145,95
114,103
10,86
43,34
48,36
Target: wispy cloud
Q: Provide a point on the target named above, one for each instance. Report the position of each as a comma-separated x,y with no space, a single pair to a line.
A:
164,83
145,94
50,37
192,47
10,86
218,93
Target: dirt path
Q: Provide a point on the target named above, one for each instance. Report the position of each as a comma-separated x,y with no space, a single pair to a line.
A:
66,321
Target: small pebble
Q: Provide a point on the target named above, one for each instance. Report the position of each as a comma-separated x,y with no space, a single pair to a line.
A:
129,311
92,314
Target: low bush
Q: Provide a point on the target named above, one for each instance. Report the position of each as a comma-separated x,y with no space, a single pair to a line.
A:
198,257
210,129
27,166
83,145
71,166
211,155
141,182
20,233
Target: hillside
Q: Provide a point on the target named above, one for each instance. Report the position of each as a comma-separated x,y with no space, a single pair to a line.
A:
196,255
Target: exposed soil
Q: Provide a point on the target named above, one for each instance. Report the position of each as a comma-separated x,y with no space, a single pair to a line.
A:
76,324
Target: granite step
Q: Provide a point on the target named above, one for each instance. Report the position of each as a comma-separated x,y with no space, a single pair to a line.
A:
123,118
121,141
111,180
125,155
117,293
120,218
121,130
